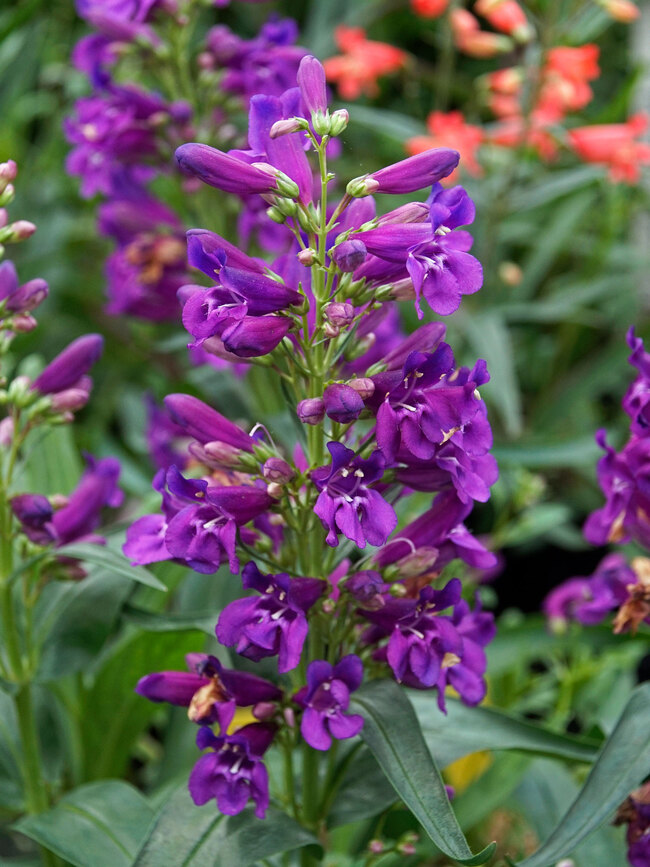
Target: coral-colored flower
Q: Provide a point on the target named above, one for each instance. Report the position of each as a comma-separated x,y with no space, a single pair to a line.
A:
507,16
514,131
565,76
357,69
450,130
429,8
471,40
615,146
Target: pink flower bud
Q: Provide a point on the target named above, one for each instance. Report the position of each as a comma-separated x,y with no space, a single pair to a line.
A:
70,400
307,257
285,127
6,431
311,410
364,387
21,230
277,470
23,324
339,314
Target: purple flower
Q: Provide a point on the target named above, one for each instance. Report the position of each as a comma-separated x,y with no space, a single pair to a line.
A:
199,524
590,600
67,369
205,424
19,299
625,480
325,700
223,171
406,176
636,402
209,691
209,252
635,813
77,520
346,504
233,772
163,437
273,623
349,255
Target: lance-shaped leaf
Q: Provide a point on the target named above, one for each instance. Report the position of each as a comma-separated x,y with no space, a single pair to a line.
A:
623,763
185,835
392,733
465,730
112,561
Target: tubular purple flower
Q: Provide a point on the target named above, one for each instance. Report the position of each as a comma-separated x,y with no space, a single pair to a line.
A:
209,253
253,336
205,424
19,299
407,176
223,171
311,81
311,410
325,700
70,365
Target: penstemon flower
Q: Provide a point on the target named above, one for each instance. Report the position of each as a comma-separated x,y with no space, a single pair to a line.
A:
341,592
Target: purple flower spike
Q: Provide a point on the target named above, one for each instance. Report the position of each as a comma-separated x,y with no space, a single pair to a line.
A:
19,299
346,504
223,171
70,365
342,403
409,175
311,81
275,622
233,773
590,600
326,697
34,511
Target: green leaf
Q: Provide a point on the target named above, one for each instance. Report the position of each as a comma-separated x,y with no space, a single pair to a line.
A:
58,467
112,561
150,621
364,792
185,835
581,451
392,733
98,825
464,730
623,763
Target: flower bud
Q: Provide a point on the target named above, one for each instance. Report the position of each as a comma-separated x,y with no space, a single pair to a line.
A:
311,81
349,255
362,186
217,453
321,122
403,290
339,313
510,273
285,127
363,386
375,847
285,186
342,403
264,710
7,195
311,410
23,323
8,172
339,121
70,400
274,490
307,257
277,470
6,431
19,231
275,214
624,11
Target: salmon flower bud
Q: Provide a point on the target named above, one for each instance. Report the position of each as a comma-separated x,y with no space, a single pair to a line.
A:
615,146
471,40
285,127
507,16
307,257
18,231
8,172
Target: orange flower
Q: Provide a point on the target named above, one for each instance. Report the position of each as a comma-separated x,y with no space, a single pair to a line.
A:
450,131
615,146
621,10
504,90
429,8
565,76
471,40
356,70
514,132
507,16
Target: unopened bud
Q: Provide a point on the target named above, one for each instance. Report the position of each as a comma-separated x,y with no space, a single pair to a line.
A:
286,206
275,214
6,431
307,257
8,172
405,849
277,470
70,400
417,562
375,847
349,255
339,121
397,590
289,717
274,490
311,410
7,195
320,122
360,187
330,331
264,710
363,386
285,127
23,323
339,313
58,501
510,273
329,606
20,231
403,290
4,217
216,454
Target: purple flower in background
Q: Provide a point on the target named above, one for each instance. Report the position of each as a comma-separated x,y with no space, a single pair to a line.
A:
635,813
233,772
636,402
205,424
407,176
267,64
164,437
346,504
325,700
77,520
624,478
273,623
590,600
209,691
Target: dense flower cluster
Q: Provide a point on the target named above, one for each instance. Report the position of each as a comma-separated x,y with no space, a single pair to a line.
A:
383,416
